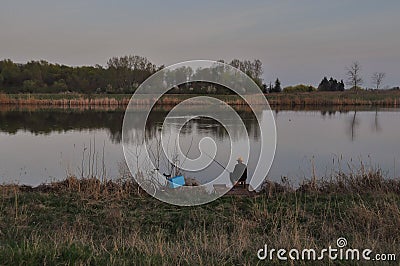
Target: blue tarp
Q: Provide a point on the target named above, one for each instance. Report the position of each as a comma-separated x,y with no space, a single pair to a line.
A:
176,181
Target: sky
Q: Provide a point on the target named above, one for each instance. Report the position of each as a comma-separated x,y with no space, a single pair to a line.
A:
297,41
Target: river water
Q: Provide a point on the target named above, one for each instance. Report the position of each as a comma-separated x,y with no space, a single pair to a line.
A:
40,145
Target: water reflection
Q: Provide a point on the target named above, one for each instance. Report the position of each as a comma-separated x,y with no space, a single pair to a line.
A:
49,120
41,143
41,120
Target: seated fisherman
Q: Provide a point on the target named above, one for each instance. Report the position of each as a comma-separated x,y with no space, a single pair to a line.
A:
239,174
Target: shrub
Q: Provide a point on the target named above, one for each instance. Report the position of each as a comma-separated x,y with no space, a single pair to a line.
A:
29,85
299,88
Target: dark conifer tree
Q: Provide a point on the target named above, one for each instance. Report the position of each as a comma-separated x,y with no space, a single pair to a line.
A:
277,87
324,85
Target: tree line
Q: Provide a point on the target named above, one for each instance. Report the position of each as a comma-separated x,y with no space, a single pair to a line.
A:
124,75
120,75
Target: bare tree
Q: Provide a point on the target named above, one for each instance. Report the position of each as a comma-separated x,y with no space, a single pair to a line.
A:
354,78
377,79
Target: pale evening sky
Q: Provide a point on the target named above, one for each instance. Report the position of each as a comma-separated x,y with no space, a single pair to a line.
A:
297,41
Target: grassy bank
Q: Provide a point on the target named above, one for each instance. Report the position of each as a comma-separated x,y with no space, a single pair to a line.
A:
92,222
345,98
366,98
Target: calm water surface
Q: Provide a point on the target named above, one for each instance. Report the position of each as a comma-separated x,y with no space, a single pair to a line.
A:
41,145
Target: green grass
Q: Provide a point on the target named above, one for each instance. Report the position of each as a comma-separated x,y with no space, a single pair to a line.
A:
84,222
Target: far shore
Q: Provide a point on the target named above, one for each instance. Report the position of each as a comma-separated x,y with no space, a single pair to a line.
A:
346,98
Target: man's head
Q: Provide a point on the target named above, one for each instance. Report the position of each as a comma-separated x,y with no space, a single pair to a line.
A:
240,160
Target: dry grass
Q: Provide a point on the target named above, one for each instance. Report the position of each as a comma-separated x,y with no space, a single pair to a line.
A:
363,181
76,100
346,98
87,221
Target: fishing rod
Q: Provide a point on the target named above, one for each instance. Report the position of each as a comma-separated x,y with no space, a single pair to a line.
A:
216,162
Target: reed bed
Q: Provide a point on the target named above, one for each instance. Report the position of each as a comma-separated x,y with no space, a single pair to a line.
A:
67,102
348,98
